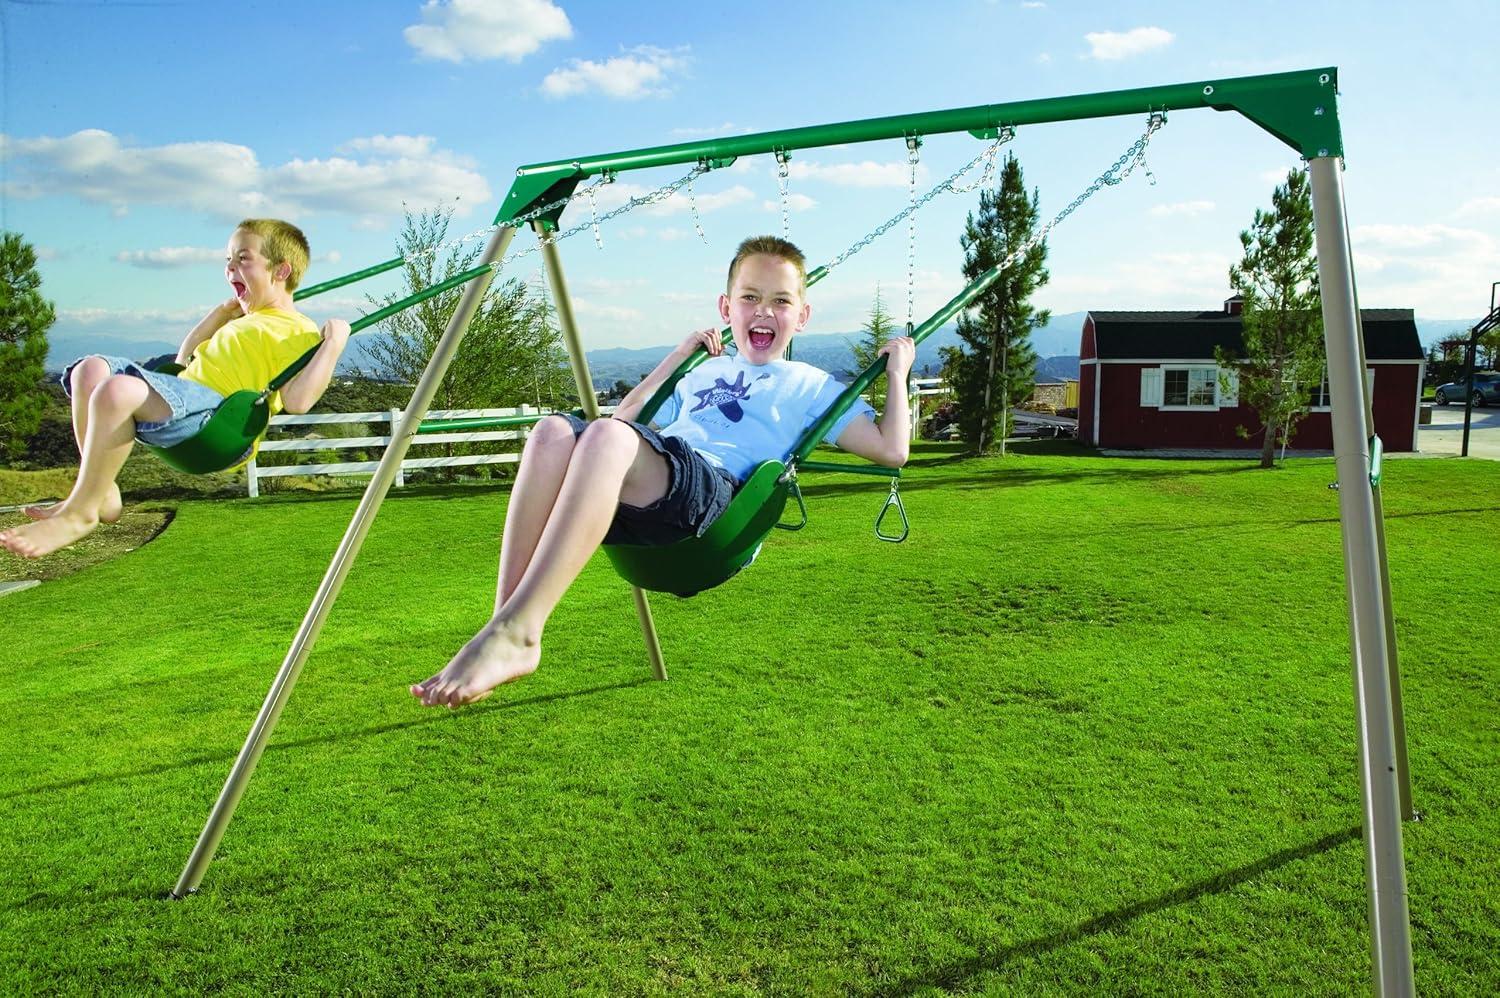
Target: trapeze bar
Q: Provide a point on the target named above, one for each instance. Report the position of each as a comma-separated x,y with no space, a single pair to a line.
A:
1299,108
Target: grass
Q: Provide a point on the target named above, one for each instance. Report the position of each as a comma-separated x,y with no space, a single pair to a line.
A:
1090,730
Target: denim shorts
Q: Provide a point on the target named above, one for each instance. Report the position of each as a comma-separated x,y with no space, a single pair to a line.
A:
192,404
697,494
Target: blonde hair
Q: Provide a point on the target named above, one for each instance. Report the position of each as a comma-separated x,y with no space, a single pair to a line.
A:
280,242
770,246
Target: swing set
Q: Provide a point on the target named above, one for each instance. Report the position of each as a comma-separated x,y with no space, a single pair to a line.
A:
1298,108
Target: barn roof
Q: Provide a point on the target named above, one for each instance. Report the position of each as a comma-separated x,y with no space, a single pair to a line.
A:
1390,334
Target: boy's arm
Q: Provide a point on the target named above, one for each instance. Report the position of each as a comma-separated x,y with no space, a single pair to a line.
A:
302,392
887,442
631,405
211,323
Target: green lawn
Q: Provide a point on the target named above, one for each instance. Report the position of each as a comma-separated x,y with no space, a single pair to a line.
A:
1090,730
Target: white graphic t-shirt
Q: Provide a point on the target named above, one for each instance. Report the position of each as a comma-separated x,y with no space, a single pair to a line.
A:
738,414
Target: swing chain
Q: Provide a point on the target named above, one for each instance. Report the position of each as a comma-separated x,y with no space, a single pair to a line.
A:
1006,134
913,157
1122,168
693,204
660,194
783,180
894,499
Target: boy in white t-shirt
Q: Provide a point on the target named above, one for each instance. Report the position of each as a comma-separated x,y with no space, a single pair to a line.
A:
617,481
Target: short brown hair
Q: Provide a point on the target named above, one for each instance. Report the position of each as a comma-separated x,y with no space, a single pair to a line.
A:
770,246
281,242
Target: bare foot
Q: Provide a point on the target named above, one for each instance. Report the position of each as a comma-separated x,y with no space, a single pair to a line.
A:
108,513
497,654
33,540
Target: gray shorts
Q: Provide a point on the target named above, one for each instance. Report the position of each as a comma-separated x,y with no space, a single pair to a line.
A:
697,493
192,404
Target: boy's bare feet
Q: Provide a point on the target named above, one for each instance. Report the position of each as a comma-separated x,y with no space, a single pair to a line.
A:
108,513
497,654
33,540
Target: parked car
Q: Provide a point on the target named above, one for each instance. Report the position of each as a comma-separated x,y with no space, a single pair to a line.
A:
1486,389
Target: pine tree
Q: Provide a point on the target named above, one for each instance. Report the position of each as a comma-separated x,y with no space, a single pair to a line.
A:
878,328
994,368
1281,324
25,317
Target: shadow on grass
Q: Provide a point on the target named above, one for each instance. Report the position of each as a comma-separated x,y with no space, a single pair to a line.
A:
429,716
959,974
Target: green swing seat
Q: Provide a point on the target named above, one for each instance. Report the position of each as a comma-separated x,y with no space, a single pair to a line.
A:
729,544
228,438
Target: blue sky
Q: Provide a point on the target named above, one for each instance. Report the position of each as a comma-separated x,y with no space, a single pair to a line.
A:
135,134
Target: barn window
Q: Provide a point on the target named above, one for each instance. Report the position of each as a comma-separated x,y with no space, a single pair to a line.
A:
1189,386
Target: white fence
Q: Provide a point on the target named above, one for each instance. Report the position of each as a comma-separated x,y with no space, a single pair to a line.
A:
255,471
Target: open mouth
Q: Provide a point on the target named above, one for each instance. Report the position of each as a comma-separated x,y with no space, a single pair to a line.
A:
762,338
239,289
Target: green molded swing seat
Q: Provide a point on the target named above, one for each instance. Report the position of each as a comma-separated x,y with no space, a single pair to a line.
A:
690,566
225,441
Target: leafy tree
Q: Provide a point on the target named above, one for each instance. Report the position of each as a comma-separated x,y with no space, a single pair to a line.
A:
994,368
878,328
1282,322
512,353
25,317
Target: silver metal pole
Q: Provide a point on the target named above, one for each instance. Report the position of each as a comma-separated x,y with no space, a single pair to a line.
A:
1398,711
1390,928
590,404
338,569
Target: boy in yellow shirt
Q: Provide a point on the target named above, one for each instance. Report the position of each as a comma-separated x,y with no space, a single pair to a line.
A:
242,344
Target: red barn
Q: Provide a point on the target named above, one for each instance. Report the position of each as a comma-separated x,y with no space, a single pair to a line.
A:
1148,380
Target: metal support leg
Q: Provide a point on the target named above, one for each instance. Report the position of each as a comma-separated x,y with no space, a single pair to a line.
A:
585,383
1390,928
333,579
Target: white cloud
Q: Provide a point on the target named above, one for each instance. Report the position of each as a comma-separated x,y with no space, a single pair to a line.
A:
728,128
641,72
459,30
1112,45
171,257
1033,5
1188,208
227,181
589,309
796,202
48,253
1044,59
1437,269
1480,206
864,174
140,319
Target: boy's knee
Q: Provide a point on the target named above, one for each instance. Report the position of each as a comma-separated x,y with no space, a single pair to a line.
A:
608,433
550,430
121,391
88,371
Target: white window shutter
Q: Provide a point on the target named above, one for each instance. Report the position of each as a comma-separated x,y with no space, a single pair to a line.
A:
1229,388
1151,387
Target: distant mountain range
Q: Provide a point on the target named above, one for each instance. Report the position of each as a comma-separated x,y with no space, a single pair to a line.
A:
1056,343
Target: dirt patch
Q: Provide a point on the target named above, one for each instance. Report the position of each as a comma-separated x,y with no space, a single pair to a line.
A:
138,526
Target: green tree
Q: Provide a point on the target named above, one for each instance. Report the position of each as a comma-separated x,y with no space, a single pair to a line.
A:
512,353
994,368
878,328
1282,362
25,317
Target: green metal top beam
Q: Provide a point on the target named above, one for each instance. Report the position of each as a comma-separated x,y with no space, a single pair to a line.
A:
1299,108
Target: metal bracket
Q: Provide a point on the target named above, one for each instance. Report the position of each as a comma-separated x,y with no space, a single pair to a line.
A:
893,500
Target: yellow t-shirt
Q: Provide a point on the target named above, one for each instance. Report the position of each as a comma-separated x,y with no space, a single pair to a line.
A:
246,353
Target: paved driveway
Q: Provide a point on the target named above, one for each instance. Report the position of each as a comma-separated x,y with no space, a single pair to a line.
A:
1444,435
